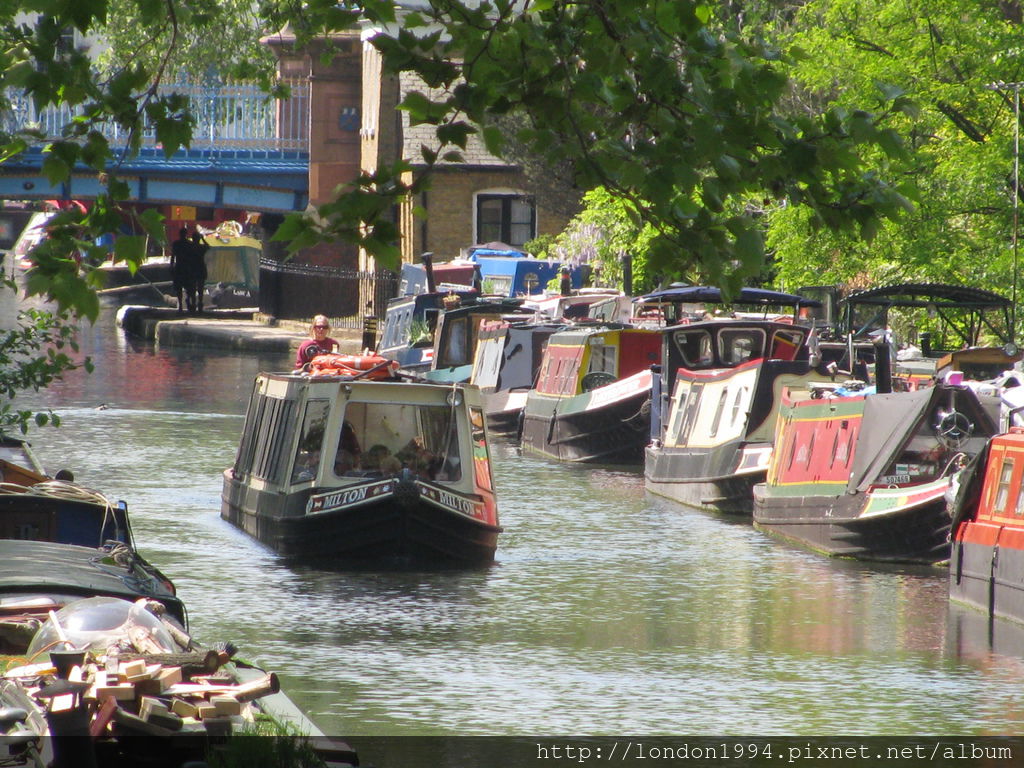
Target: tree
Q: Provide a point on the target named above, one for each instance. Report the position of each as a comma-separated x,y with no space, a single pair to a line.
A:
656,102
32,354
943,56
603,235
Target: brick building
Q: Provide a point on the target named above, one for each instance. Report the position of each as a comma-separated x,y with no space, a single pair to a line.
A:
355,126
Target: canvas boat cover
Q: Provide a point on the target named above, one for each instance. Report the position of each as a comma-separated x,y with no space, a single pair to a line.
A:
698,294
890,419
47,567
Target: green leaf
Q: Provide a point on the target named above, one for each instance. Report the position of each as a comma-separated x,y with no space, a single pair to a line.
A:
130,249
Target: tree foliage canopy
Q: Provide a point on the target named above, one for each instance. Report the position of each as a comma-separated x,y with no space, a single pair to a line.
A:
661,103
946,57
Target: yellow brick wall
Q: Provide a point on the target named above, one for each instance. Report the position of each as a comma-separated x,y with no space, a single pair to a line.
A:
450,205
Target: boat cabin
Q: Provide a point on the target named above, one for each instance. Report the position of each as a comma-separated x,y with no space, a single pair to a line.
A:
329,466
509,354
455,340
409,326
506,271
578,360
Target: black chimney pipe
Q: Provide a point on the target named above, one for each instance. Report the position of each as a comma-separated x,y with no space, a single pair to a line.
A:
883,366
428,265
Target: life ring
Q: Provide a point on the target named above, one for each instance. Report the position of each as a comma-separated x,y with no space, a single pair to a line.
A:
363,366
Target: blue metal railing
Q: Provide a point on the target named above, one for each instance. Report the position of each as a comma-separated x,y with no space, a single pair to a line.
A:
228,117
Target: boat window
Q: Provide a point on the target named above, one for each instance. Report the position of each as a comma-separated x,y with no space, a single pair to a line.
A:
481,455
1018,509
602,356
311,439
737,404
695,348
786,344
717,420
1003,492
387,438
679,405
456,350
835,448
737,345
268,428
254,413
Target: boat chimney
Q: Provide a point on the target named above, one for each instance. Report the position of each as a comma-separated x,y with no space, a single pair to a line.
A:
627,274
926,344
428,266
883,364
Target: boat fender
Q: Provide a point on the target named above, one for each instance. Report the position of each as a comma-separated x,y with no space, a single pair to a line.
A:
10,715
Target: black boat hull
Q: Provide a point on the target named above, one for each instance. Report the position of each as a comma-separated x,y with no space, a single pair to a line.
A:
395,528
835,526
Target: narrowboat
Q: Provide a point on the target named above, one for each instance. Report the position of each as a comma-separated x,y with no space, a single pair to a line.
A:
35,506
716,400
508,357
99,668
347,471
410,323
986,568
507,271
455,340
592,400
864,475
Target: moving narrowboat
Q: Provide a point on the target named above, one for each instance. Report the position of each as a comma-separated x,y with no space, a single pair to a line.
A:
716,401
348,471
592,400
986,569
864,475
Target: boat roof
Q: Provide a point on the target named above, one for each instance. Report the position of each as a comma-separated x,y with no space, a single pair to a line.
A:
47,567
923,294
702,294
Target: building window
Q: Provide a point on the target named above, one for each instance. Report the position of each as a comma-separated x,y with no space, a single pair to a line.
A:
509,219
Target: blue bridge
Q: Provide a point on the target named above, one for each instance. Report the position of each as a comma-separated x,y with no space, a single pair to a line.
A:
248,151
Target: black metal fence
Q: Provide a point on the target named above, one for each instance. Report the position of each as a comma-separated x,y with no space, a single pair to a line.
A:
290,291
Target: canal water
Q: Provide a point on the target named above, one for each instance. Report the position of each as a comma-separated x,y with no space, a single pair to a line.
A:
607,611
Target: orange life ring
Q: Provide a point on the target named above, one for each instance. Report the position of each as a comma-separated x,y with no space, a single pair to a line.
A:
353,365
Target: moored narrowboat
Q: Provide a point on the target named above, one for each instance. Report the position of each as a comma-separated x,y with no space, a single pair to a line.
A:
592,400
508,357
986,568
716,402
862,475
345,471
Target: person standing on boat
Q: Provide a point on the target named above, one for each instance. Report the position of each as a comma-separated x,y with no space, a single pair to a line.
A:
319,342
180,257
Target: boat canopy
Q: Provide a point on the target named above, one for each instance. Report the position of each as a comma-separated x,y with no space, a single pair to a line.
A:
44,567
889,420
964,309
700,294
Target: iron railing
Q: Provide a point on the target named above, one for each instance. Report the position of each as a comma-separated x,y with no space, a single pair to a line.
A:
228,117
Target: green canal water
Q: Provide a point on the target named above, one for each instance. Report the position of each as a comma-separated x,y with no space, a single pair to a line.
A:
607,611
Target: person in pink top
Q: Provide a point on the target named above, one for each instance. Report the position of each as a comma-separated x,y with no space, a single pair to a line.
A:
319,342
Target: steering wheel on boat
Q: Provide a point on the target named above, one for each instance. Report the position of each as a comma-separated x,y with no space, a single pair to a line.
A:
596,379
954,428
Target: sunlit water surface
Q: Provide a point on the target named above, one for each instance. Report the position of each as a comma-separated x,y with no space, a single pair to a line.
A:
607,611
